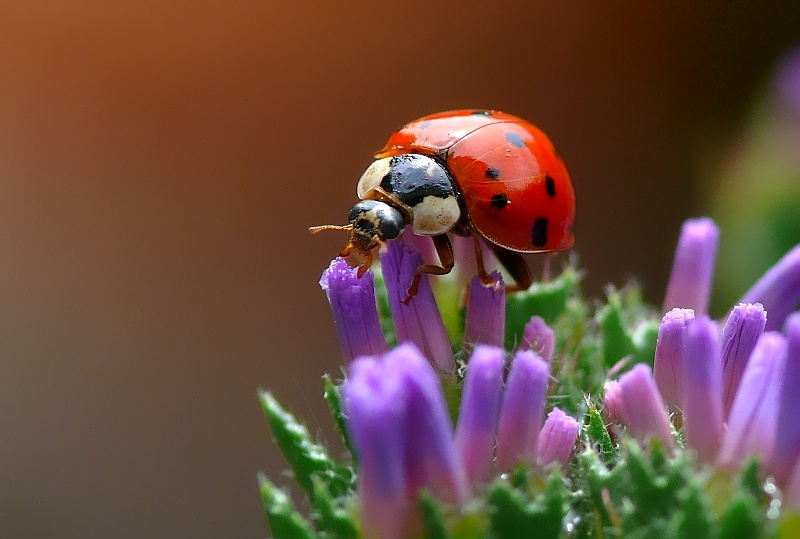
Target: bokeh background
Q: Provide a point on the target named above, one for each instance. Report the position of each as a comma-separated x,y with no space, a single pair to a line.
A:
160,163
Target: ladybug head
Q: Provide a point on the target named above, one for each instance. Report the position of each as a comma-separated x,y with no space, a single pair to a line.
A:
372,222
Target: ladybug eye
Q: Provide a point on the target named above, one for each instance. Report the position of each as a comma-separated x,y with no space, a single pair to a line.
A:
390,224
372,218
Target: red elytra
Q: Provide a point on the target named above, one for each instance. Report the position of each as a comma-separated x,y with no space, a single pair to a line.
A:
509,175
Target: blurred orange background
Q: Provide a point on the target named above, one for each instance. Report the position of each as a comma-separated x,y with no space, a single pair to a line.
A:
161,162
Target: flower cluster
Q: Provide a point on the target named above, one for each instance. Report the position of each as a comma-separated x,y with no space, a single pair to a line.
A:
493,434
735,390
394,402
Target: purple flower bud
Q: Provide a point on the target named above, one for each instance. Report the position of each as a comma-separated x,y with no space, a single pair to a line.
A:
353,304
643,409
420,321
787,438
752,421
612,400
538,336
693,267
668,369
778,290
521,410
375,408
480,407
432,460
486,313
702,402
557,438
744,326
403,437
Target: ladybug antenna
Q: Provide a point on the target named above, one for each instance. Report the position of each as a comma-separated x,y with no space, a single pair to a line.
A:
320,228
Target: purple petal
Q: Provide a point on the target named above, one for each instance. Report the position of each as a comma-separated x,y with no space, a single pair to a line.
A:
753,419
787,438
702,403
374,406
670,356
538,336
486,313
778,290
432,461
480,407
354,312
418,322
557,438
644,411
402,434
744,326
521,410
693,266
612,402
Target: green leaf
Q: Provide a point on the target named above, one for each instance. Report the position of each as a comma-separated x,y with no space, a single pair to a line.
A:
644,339
595,477
617,343
511,516
507,512
305,457
334,399
742,519
332,521
597,431
749,479
432,519
284,521
546,299
693,518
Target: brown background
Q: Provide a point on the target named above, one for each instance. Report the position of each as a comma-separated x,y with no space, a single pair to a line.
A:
160,163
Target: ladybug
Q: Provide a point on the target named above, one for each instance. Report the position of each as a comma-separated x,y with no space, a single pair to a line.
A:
476,173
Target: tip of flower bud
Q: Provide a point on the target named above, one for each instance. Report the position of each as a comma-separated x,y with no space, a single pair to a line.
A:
693,266
670,359
557,438
539,337
355,313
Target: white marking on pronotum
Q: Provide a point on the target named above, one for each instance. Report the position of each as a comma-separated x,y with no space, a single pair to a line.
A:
372,176
435,215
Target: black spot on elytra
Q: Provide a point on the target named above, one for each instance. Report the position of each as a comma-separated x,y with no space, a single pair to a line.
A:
550,186
515,139
539,232
499,200
492,173
482,112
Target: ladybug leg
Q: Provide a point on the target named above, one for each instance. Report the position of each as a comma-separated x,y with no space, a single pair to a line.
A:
516,266
445,251
486,278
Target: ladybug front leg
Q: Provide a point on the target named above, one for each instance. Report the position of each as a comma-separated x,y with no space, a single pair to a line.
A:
445,251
